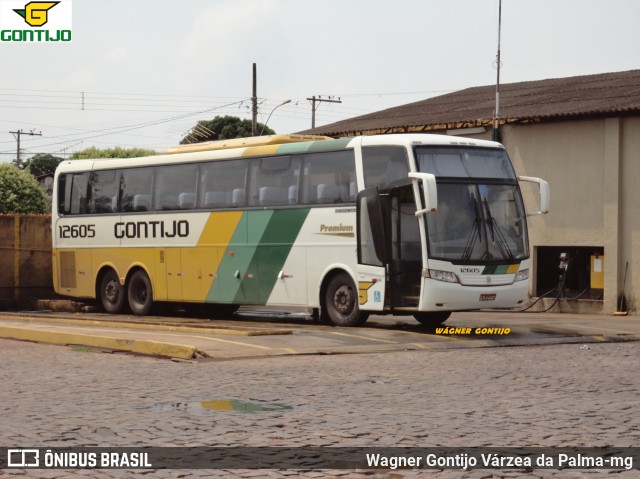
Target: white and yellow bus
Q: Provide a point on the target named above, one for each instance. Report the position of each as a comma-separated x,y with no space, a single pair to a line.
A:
409,224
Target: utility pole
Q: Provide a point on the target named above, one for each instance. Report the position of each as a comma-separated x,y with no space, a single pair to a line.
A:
319,99
16,135
254,104
496,118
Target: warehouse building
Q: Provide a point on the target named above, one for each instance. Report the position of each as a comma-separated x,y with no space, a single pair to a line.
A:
581,134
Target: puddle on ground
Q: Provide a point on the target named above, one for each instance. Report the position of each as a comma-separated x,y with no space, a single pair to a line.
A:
223,405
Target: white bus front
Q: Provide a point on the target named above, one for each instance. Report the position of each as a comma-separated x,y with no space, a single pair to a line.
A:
463,246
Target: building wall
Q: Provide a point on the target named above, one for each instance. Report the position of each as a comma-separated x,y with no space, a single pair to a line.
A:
591,167
629,214
569,156
25,261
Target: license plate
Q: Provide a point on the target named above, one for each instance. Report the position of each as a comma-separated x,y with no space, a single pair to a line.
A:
487,297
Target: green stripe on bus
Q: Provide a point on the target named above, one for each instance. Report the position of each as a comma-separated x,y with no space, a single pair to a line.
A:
271,253
292,148
256,254
489,269
330,145
236,258
501,268
315,146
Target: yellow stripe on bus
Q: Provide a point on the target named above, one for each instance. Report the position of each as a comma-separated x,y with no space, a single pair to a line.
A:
219,228
260,150
513,268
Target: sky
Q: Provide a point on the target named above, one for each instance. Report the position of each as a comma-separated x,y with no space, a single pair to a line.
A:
141,73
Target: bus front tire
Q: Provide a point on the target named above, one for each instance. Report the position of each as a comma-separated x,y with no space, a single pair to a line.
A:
112,293
340,305
434,318
140,293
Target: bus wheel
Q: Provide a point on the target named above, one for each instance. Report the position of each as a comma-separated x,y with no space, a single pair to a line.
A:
340,306
112,293
140,293
433,318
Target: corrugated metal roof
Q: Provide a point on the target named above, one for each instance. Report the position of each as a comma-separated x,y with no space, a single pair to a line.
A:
606,94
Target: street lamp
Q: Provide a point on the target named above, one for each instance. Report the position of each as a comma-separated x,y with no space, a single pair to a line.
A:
284,102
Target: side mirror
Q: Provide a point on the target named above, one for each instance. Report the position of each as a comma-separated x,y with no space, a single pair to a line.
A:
430,190
545,196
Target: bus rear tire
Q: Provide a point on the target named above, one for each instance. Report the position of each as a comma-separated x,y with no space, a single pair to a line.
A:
112,293
140,293
434,318
340,303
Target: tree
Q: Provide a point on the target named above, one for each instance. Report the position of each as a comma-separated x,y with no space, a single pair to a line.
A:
223,128
20,192
42,164
117,152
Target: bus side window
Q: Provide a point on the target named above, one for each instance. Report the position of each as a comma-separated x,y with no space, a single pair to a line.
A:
175,187
103,197
329,177
64,194
222,184
76,194
383,165
274,181
136,189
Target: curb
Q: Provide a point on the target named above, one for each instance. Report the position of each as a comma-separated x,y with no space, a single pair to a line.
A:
153,325
149,348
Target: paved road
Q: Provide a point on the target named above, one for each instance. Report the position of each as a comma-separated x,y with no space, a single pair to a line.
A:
253,334
548,395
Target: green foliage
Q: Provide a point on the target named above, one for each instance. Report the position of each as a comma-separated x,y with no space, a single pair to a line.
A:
117,152
42,164
20,192
223,128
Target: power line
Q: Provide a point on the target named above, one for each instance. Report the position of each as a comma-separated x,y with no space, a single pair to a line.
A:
79,93
143,125
319,99
17,135
396,93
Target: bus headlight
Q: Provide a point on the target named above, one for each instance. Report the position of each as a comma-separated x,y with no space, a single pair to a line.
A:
446,276
522,275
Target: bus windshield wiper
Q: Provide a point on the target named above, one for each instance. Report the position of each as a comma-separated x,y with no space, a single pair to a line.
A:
475,233
503,246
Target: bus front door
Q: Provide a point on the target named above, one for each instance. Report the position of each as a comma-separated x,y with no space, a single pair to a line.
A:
372,264
389,250
404,249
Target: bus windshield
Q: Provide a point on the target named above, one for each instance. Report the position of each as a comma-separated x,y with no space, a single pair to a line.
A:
477,223
465,162
480,216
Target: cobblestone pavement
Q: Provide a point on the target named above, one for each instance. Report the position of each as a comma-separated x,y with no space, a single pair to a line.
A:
556,395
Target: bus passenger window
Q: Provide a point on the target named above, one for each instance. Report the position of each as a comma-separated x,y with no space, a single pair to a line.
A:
64,194
329,178
222,184
78,200
136,189
186,201
274,181
175,187
384,165
103,192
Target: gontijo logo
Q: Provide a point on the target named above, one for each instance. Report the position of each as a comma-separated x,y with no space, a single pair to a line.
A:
14,14
35,13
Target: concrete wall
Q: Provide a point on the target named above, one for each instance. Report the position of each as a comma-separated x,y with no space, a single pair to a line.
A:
629,234
592,167
25,259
